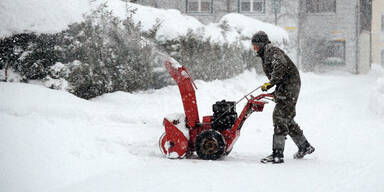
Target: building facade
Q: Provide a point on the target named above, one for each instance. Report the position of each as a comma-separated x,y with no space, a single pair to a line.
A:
324,34
378,32
335,34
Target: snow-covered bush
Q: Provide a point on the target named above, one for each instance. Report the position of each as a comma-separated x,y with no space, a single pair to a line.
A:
102,54
113,56
29,54
208,60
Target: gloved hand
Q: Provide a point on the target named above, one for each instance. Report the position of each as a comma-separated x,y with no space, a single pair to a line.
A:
266,86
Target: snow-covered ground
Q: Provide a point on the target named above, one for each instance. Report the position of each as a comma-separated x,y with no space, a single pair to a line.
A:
51,140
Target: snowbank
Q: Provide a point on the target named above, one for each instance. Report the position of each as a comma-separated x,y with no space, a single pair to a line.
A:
377,95
48,16
247,26
42,16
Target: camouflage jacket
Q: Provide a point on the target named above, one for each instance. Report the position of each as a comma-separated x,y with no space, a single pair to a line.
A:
282,72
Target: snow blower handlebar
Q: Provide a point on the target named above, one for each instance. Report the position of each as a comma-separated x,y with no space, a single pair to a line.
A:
268,96
245,96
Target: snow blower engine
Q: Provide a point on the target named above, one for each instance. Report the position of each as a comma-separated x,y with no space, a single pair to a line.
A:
215,136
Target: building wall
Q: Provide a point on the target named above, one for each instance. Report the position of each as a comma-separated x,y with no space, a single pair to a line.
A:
219,9
377,32
222,7
338,26
364,47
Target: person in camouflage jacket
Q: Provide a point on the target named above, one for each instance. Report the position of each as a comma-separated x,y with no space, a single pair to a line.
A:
283,74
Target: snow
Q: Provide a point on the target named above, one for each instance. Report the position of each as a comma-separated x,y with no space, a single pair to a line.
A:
12,75
53,141
49,82
175,64
49,16
377,95
43,16
247,26
57,67
181,126
171,155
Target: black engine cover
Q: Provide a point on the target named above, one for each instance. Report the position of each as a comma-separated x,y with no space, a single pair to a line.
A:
224,115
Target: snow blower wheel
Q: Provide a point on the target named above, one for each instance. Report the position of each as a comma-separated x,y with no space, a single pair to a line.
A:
160,145
210,145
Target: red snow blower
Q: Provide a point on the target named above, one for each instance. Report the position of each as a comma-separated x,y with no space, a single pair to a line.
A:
215,136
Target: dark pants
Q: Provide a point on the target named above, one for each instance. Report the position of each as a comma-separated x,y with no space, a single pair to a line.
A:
283,119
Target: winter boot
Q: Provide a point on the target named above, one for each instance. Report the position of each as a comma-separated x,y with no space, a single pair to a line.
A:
277,155
304,147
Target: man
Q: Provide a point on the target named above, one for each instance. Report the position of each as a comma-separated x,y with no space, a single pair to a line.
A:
283,74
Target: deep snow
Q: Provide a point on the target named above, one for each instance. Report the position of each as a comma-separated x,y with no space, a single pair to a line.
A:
51,140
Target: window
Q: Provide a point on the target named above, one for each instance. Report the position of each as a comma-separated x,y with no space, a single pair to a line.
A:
335,52
204,6
321,6
382,23
276,6
382,58
253,6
